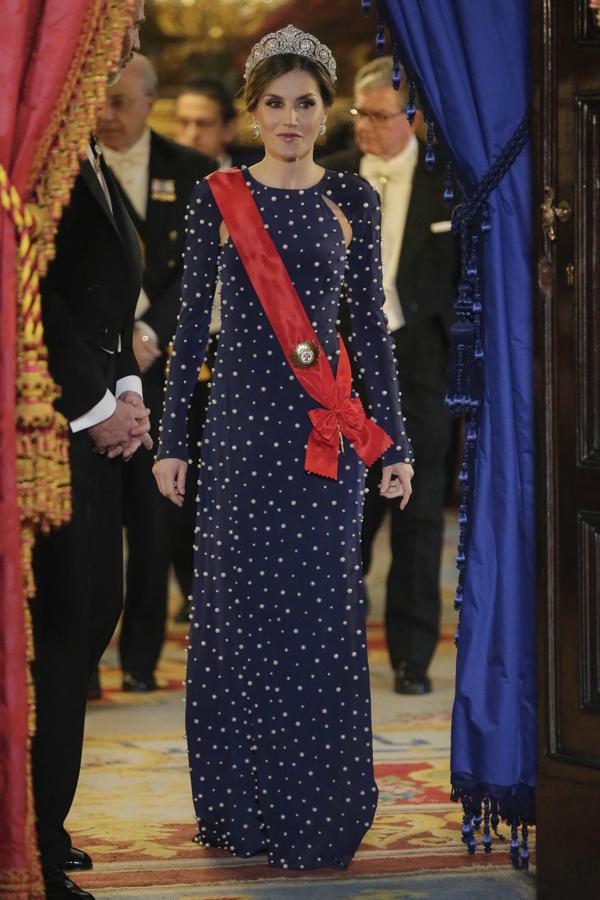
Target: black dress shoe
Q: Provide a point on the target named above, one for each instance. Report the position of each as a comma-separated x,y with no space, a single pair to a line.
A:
78,861
134,685
411,680
94,689
60,887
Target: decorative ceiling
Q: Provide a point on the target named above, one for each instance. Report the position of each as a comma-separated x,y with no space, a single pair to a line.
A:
189,38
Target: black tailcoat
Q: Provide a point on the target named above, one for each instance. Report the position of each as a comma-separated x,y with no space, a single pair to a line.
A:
157,532
88,303
162,232
426,282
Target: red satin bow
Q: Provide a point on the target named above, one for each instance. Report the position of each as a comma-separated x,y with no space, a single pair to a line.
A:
348,419
326,440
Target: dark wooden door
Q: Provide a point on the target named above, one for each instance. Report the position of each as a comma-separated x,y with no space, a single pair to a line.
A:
566,56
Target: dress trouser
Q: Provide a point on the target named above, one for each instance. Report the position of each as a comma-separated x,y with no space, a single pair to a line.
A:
158,534
412,612
148,554
78,571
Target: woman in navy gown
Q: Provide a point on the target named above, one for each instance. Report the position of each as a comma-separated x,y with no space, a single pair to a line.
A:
278,704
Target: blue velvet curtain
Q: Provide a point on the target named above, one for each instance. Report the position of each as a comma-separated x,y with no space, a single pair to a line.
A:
470,62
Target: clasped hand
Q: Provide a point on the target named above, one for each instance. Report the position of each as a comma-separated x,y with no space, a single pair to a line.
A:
126,430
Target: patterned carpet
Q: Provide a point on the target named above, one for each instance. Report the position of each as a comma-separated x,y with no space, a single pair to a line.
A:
133,810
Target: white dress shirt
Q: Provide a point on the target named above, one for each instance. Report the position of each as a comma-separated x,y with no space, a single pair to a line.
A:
132,169
225,161
393,179
107,405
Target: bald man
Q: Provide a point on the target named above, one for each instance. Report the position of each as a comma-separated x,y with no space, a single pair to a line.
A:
156,177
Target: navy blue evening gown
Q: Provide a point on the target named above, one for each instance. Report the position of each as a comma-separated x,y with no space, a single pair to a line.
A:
278,705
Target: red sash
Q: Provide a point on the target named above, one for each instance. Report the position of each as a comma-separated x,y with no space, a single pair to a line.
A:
339,413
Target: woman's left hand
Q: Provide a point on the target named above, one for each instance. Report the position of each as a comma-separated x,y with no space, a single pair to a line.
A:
395,482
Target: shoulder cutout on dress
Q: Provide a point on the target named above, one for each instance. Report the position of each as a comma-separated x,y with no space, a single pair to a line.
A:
342,219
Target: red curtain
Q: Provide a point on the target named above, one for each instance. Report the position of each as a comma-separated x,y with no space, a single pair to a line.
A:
54,57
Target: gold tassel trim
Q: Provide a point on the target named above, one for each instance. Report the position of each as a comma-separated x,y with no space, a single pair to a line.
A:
42,448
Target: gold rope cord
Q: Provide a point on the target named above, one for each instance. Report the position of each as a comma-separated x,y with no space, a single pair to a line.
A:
42,433
43,474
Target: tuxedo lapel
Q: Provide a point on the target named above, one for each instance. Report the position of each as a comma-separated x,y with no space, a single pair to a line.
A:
161,215
129,238
138,223
421,212
154,207
91,180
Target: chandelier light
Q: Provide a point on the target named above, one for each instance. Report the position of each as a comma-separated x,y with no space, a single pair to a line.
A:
208,22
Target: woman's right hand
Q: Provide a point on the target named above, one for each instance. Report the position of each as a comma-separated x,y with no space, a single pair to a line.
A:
170,478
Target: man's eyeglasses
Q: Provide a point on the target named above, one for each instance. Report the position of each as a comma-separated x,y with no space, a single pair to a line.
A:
377,118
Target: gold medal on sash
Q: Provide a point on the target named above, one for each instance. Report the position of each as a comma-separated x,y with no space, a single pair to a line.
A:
305,354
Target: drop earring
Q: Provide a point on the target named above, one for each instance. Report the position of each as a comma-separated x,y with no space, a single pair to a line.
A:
256,129
322,128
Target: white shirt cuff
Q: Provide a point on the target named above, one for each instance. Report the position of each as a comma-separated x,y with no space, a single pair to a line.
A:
98,413
129,383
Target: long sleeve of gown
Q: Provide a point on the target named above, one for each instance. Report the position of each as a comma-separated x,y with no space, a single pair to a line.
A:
371,342
197,292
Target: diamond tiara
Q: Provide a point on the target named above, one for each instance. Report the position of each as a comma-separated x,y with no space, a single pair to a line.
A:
291,40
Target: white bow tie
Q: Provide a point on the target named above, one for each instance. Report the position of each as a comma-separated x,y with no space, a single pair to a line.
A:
377,168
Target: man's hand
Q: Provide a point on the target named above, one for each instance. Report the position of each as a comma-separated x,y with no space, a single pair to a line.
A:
145,349
141,434
119,428
170,477
395,482
125,430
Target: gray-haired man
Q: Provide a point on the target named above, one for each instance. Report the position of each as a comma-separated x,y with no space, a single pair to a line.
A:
420,261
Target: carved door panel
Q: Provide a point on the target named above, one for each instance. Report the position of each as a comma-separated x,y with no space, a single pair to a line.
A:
567,242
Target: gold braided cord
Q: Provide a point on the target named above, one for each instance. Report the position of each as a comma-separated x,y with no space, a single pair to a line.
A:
42,448
42,433
42,474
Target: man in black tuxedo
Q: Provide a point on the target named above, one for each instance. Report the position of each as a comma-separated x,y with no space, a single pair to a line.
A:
420,269
88,303
156,178
206,119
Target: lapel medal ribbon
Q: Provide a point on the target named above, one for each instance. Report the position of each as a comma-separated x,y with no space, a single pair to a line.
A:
163,190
